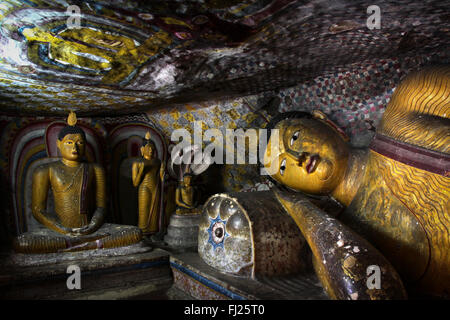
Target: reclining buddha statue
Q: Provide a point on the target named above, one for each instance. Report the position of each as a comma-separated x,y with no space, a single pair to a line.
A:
79,194
396,192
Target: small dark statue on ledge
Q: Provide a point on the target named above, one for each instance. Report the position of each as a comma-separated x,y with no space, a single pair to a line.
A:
148,176
79,199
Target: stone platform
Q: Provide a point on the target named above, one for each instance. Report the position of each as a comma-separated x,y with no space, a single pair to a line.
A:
152,274
194,277
103,275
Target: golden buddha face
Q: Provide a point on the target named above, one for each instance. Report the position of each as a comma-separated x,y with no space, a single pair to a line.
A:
311,156
147,151
72,147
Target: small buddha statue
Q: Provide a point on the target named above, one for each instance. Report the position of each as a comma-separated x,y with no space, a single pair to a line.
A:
148,175
184,196
79,194
396,193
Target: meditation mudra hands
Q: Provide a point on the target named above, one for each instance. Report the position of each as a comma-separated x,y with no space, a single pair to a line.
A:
94,225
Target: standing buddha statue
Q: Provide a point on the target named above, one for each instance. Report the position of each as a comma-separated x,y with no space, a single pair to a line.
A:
148,174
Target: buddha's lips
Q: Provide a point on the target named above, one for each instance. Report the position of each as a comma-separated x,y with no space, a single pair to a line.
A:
311,164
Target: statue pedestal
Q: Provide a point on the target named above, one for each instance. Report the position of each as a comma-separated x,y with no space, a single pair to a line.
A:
195,278
182,232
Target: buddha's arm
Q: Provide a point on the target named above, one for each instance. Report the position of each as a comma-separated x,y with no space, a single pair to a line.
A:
162,171
137,170
41,184
100,187
341,257
100,200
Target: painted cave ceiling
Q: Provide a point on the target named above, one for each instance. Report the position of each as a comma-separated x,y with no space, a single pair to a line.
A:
131,56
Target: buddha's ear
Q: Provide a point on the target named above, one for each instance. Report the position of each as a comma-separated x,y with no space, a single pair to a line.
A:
58,144
319,115
142,150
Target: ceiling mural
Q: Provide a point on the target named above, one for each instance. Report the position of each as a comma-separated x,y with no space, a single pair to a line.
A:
120,57
113,57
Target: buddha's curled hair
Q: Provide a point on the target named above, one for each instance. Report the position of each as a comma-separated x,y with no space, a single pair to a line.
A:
71,130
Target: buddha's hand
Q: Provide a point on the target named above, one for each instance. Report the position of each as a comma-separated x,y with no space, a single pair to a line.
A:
75,232
67,231
139,168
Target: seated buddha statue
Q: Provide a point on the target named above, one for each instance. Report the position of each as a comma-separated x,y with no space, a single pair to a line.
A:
148,174
79,194
396,192
184,196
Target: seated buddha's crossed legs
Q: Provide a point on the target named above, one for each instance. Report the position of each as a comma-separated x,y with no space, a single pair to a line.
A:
109,236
